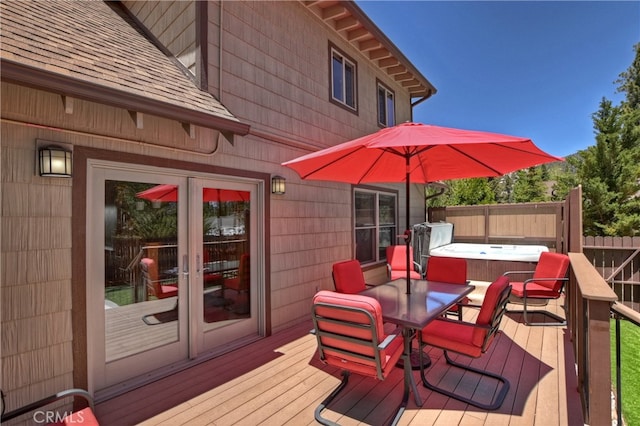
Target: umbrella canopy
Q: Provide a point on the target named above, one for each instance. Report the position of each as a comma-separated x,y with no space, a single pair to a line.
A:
420,153
433,153
169,193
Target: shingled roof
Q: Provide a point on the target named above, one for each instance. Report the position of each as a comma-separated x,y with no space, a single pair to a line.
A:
92,50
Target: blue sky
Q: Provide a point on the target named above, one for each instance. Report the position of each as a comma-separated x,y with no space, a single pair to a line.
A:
535,69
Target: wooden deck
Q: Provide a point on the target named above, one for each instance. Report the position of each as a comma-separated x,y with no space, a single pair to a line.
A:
279,381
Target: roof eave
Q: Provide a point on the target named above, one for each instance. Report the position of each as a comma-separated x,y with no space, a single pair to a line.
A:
44,80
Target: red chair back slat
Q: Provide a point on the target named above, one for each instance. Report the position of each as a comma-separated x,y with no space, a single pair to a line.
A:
447,270
348,277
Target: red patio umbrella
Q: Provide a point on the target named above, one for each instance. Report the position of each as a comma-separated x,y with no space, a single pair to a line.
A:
420,153
169,193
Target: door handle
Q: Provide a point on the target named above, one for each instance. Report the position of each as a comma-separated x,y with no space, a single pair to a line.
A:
185,265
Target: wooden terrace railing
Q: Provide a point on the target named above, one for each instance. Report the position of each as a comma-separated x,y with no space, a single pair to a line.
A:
589,300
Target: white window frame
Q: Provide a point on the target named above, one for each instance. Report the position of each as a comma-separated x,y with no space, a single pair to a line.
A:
346,63
379,255
386,112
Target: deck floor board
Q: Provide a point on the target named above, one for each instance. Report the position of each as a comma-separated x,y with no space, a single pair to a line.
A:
279,380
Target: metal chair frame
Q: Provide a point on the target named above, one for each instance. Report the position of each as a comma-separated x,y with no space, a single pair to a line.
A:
46,401
373,343
492,329
559,321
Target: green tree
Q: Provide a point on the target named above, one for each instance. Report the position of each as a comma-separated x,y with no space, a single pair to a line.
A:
609,171
530,185
463,192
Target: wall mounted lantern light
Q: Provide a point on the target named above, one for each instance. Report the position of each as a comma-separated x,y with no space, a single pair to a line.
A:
278,185
54,161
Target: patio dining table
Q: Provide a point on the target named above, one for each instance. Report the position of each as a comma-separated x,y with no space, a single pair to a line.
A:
427,301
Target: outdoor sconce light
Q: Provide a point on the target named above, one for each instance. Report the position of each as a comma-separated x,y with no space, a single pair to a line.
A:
278,185
54,161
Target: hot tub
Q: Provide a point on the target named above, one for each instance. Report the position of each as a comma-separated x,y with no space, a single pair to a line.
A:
486,262
512,253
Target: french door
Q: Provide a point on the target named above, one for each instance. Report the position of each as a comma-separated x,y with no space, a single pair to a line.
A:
174,270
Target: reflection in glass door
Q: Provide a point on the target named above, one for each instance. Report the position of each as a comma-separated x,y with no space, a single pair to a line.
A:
141,273
223,263
226,266
172,272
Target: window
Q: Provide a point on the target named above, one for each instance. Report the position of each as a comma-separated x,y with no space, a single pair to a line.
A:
343,80
386,106
375,224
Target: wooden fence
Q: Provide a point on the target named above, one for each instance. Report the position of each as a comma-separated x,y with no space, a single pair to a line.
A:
617,259
525,223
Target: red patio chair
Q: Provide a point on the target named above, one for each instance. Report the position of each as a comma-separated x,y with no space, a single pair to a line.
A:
241,284
161,289
471,340
348,277
155,287
350,335
397,263
546,284
84,416
449,270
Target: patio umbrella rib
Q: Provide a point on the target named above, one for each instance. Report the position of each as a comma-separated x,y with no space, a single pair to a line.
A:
483,164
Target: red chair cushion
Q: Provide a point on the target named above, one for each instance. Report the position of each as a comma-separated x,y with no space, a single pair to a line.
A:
389,356
403,274
462,337
84,417
534,291
397,258
168,291
551,265
447,270
348,277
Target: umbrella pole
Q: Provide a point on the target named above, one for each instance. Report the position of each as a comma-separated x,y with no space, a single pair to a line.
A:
407,232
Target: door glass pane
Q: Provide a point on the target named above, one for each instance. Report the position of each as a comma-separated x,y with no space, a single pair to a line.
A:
226,275
141,272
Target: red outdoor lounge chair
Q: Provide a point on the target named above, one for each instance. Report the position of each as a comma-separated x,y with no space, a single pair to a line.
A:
471,340
156,287
449,270
84,416
350,335
348,277
241,285
161,289
547,283
397,263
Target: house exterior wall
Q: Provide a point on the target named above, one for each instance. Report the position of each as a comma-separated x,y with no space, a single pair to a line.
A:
37,260
173,24
274,77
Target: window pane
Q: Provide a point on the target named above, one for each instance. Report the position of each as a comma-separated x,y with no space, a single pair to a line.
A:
365,245
365,209
387,238
391,121
337,78
349,77
387,206
382,108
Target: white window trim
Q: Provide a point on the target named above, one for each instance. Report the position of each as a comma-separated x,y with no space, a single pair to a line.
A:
387,92
377,225
334,52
